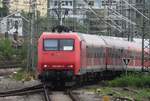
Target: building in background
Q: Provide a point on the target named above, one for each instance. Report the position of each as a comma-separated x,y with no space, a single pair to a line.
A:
77,15
24,5
71,8
7,24
12,24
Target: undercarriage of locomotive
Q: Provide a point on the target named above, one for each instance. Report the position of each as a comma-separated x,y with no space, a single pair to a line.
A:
67,77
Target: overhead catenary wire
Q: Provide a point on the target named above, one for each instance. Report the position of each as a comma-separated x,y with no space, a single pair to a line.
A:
122,17
90,8
13,14
137,10
112,20
105,21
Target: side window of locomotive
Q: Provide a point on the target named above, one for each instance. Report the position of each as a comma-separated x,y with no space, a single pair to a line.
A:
67,44
50,44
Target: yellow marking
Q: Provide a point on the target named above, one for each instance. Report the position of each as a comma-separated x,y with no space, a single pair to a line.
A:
106,98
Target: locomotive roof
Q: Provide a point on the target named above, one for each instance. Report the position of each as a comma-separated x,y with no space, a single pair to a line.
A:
57,35
64,33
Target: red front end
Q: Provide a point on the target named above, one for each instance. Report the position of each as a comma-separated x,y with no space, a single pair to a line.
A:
58,55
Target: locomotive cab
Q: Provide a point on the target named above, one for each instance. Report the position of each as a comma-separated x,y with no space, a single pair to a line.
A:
58,56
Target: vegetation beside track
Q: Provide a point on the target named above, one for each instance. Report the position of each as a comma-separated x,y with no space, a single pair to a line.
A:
11,56
133,87
23,75
6,50
130,94
132,80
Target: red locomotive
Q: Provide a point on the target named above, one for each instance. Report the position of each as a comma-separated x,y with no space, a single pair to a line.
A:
66,56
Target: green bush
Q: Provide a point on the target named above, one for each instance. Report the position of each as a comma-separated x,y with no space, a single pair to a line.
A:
6,50
12,54
133,80
22,52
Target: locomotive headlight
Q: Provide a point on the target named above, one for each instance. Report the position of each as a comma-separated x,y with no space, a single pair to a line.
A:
70,66
45,66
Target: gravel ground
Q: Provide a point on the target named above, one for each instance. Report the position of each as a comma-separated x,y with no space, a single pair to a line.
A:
35,97
8,71
87,96
59,96
9,84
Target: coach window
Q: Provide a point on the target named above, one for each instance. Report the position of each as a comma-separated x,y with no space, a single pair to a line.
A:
138,55
70,3
55,3
50,44
95,54
66,44
110,53
101,53
119,55
132,54
87,54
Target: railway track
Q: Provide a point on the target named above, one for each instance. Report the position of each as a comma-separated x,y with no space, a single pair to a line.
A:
48,94
22,91
73,96
28,90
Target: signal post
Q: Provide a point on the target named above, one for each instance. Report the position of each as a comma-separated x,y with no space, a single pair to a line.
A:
126,62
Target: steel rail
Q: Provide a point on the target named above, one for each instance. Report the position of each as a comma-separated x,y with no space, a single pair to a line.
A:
28,90
17,91
46,94
22,93
73,96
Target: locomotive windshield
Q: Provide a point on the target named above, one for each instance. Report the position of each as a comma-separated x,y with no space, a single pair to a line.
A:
59,44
